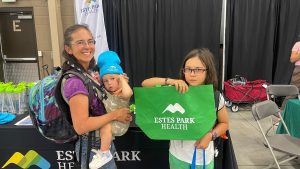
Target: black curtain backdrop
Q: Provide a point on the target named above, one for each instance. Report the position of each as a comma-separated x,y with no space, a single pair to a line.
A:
130,32
251,36
260,35
288,30
153,36
181,26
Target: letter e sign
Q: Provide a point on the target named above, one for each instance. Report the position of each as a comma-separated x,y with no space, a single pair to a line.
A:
16,26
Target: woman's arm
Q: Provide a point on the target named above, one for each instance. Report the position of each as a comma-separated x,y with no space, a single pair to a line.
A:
295,55
82,123
180,85
219,129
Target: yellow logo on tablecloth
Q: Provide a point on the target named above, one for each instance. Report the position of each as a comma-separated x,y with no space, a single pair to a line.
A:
30,158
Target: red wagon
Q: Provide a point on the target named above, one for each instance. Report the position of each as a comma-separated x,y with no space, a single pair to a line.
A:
248,92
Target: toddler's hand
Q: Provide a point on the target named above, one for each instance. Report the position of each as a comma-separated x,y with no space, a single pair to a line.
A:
118,92
124,77
96,76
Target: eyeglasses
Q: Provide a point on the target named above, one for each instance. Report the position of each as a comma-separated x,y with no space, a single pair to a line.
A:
196,71
82,43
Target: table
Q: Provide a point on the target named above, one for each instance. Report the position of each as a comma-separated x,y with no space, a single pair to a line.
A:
291,116
134,149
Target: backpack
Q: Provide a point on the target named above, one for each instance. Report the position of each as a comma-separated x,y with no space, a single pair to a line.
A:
48,109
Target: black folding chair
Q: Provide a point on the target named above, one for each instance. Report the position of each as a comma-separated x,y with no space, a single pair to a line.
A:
274,91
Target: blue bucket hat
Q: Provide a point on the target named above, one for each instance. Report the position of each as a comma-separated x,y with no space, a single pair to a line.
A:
109,63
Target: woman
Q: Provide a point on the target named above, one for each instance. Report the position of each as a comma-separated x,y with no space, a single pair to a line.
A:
294,58
79,47
197,69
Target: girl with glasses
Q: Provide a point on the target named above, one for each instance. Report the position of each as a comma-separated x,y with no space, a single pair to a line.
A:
197,69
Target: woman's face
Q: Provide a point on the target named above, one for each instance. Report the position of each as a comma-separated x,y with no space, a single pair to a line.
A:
82,46
194,71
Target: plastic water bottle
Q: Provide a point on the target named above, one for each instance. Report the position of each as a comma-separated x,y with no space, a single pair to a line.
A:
1,98
29,86
19,99
22,96
4,107
24,100
8,99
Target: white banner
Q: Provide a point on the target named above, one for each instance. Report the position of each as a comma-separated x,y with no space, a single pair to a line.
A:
90,12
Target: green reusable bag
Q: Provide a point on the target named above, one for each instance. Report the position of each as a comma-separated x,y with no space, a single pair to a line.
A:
165,114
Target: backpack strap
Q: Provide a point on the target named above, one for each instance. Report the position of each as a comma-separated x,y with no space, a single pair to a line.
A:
86,81
217,100
218,140
100,89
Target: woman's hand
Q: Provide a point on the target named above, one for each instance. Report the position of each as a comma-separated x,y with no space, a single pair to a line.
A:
204,141
180,85
122,115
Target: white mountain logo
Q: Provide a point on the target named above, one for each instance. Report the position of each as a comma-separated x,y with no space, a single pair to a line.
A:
174,108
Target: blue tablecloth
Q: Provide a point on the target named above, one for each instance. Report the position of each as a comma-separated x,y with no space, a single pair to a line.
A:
291,116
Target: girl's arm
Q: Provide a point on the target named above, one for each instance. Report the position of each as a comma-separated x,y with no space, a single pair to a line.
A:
84,123
155,81
180,85
220,129
223,122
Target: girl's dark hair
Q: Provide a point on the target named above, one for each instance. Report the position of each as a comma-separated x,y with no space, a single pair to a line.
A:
207,58
67,41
